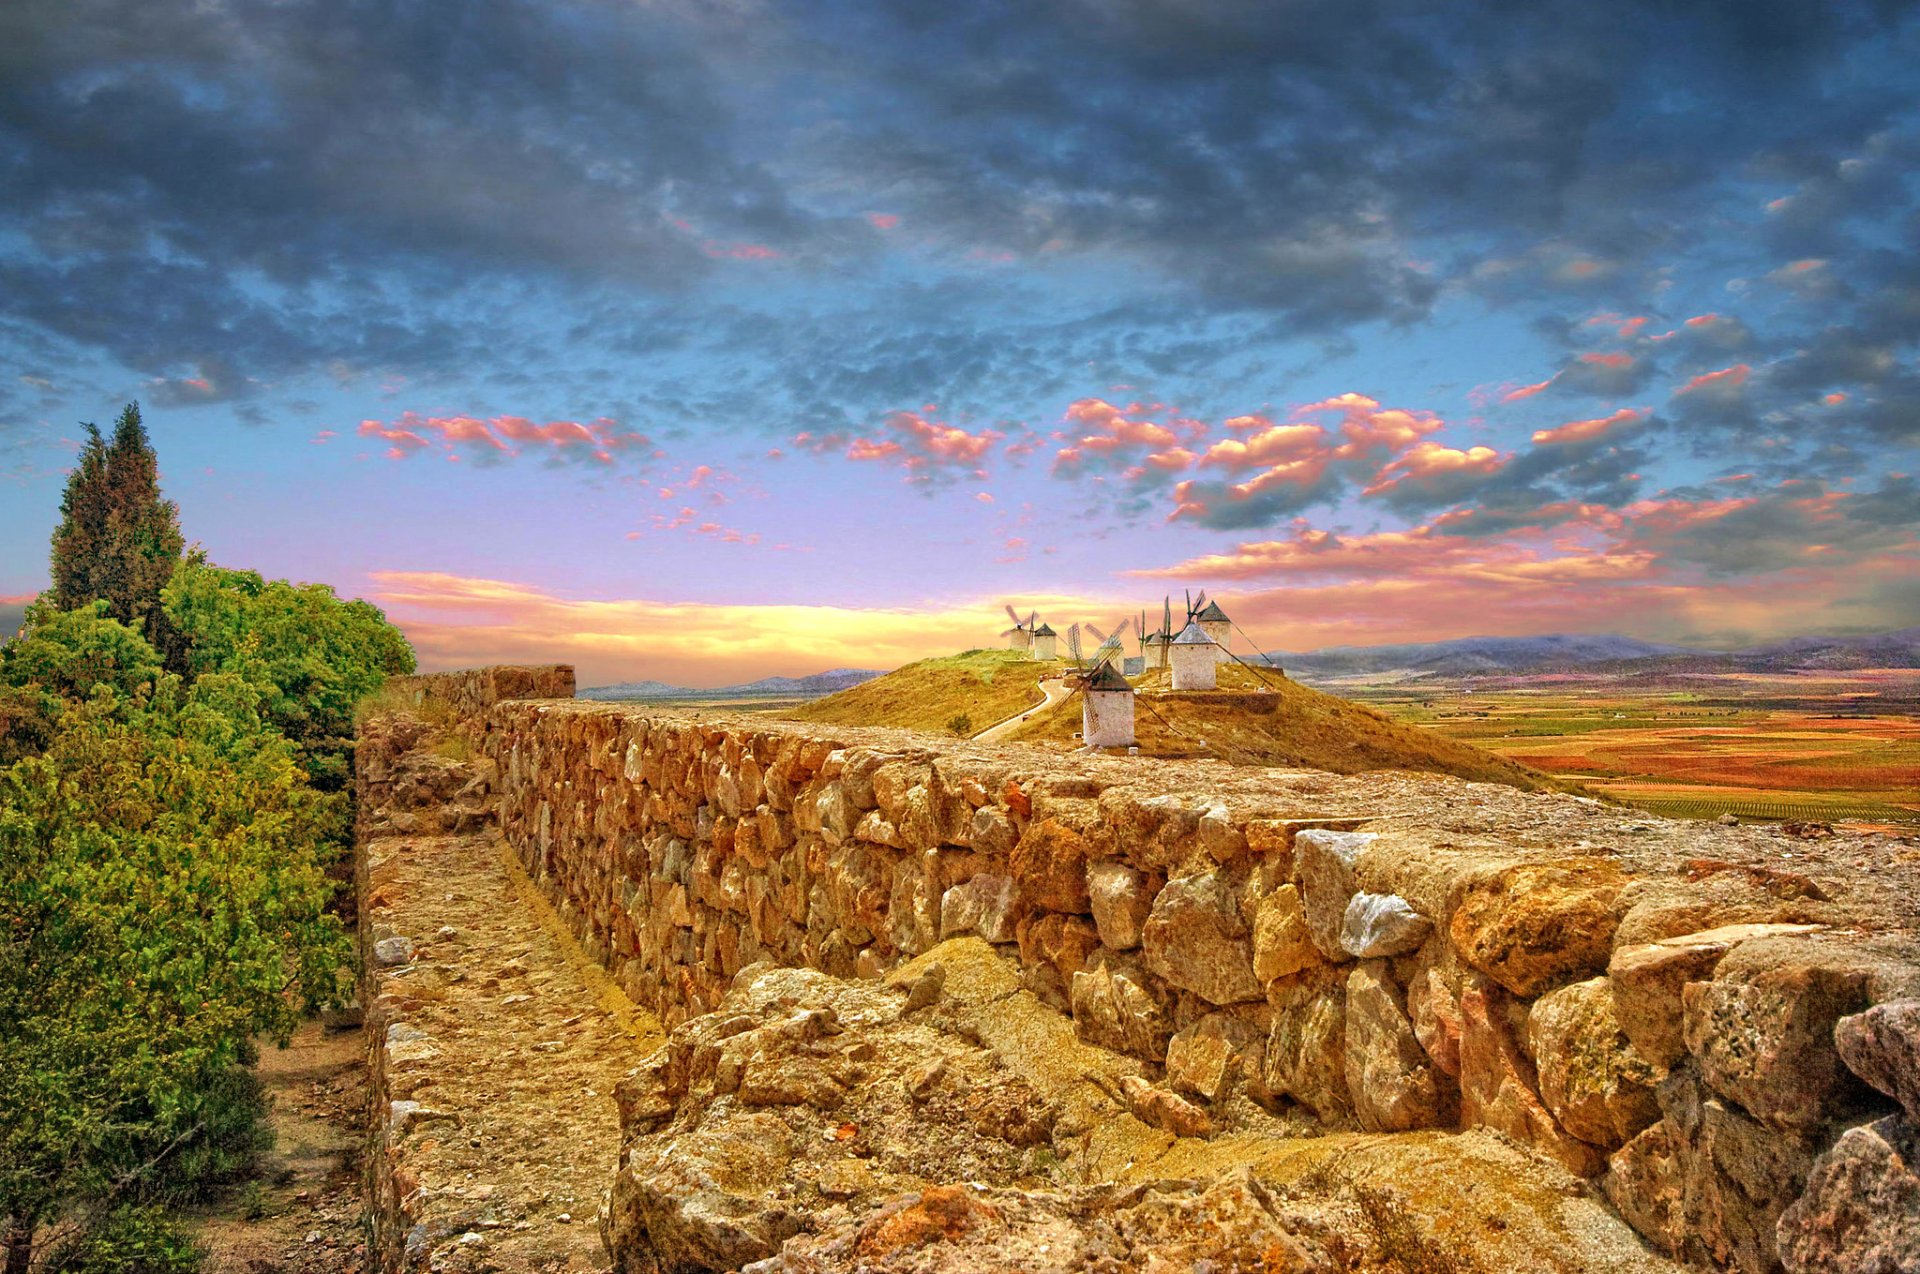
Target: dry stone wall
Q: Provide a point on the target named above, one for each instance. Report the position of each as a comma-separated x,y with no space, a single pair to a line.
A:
1661,1025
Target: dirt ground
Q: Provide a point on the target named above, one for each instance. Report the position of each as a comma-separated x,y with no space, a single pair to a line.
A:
303,1213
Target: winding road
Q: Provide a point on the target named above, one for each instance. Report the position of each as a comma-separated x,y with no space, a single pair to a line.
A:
1055,690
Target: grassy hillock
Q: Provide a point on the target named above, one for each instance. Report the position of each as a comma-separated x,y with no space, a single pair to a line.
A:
1259,718
983,686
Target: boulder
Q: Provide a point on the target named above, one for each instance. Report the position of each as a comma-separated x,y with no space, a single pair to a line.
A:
1860,1213
1435,1013
1882,1046
1326,863
987,905
1390,1081
1121,898
1113,1008
1378,925
1535,926
1648,977
1768,1043
1196,940
1307,1045
1591,1079
1208,1057
1734,1175
1050,867
1497,1083
1164,1110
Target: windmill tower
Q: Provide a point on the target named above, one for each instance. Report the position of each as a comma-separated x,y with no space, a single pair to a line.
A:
1191,654
1153,646
1214,623
1106,697
1020,636
1110,647
1044,639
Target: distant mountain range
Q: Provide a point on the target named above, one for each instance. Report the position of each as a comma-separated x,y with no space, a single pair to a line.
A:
813,687
1600,653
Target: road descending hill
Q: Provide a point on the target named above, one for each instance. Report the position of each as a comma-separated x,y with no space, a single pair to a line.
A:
983,686
1255,718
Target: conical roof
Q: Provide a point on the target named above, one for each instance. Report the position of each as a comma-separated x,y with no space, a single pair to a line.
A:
1213,615
1107,677
1192,635
1044,631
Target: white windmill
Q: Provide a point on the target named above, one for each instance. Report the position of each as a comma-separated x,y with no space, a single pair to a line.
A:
1106,697
1192,654
1020,636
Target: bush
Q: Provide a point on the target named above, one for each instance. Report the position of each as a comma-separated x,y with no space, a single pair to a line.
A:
130,1240
960,723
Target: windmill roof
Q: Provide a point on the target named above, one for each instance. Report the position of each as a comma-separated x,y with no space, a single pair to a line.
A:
1156,638
1192,635
1213,614
1045,631
1107,677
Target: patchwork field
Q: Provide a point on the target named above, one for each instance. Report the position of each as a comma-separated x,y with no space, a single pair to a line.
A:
1814,746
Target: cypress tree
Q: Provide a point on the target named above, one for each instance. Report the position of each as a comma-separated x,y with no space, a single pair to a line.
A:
117,538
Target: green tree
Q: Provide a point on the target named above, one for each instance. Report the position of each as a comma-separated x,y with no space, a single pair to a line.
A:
118,539
161,903
59,657
317,655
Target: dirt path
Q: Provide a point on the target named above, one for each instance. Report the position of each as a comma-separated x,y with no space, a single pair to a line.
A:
303,1214
1054,688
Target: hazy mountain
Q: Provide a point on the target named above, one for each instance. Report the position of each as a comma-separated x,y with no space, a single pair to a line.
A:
812,687
1468,655
1899,649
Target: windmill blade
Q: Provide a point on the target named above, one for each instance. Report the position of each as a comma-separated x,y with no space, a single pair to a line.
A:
1073,642
1011,614
1121,631
1200,602
1140,633
1166,616
1097,634
1033,619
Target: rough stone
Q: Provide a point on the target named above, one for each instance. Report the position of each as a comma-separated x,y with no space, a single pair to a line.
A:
1648,978
1282,945
1535,926
1860,1212
1327,863
1768,1043
1196,939
1121,899
1882,1046
1307,1046
1050,867
1377,925
1208,1057
986,905
1498,1083
1165,1110
1113,1008
1435,1013
1591,1079
1390,1081
391,953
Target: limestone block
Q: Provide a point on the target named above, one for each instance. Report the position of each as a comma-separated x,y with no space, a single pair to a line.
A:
1860,1213
1535,926
1121,898
1062,942
1113,1008
1735,1176
1050,867
1210,1056
1391,1083
1591,1079
1162,1109
1435,1013
1644,1182
987,905
1768,1044
1282,945
1325,862
913,911
838,815
1497,1084
1647,980
1307,1045
1196,940
1378,925
1882,1046
993,831
1217,835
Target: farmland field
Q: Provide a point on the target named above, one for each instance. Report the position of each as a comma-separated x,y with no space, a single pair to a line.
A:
1811,746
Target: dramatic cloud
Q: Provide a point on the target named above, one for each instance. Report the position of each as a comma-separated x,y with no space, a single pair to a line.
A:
502,437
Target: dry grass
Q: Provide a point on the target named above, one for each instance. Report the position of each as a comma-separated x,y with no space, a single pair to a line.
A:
984,686
1261,718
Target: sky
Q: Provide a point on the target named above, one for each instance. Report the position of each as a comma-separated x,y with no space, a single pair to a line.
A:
702,341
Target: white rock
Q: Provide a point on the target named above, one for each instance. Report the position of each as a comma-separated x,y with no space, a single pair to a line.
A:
1381,925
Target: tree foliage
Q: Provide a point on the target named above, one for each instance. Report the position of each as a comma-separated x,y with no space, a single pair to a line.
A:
118,540
59,657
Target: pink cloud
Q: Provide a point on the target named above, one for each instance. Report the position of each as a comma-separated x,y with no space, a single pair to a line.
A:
501,437
1525,391
1726,380
1589,430
920,444
1429,461
883,220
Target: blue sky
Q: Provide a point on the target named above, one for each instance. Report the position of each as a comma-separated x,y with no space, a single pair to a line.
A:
816,331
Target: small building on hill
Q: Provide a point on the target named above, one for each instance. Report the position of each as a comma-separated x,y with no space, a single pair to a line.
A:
1106,712
1219,629
1044,640
1192,657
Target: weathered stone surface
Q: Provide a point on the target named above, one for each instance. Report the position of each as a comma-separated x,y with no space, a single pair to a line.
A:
1591,1079
1218,836
1497,1084
1061,943
1326,863
1196,939
1050,867
1121,898
1436,1019
1860,1213
701,1201
1113,1008
1768,1043
1648,977
987,905
1282,945
1307,1046
1736,1176
1378,925
1390,1081
1210,1056
1535,926
1165,1110
1882,1046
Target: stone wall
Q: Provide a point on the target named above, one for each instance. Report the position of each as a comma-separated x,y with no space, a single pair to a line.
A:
1658,1019
466,695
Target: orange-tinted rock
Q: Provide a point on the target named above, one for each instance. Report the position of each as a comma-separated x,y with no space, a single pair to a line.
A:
1049,866
1497,1084
1591,1079
1860,1213
1196,939
1536,926
1767,1043
1390,1081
